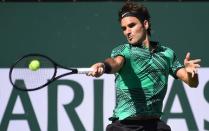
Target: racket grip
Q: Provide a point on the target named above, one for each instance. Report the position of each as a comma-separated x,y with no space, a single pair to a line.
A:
84,70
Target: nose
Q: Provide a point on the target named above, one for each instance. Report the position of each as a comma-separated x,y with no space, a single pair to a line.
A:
127,31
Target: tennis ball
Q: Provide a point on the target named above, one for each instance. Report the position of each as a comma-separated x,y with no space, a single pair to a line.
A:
34,65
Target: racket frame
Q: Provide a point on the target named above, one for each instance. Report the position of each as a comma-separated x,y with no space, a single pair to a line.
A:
52,79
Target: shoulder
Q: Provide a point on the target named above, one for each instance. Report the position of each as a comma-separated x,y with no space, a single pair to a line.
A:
166,50
120,50
121,47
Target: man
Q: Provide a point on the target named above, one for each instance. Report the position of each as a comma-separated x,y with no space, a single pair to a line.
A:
141,68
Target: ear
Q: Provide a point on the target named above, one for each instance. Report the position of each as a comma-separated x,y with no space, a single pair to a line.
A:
146,24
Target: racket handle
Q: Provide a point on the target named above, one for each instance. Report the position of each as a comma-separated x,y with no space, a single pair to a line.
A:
84,70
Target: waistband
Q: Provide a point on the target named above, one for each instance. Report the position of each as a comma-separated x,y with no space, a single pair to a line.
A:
143,118
138,118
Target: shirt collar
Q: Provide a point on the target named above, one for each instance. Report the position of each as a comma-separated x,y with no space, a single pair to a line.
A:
153,46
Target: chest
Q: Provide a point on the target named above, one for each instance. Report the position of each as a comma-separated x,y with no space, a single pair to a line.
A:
142,60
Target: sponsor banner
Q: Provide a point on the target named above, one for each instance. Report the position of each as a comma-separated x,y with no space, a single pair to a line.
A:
83,103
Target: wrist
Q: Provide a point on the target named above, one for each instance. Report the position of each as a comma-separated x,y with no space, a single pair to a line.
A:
107,67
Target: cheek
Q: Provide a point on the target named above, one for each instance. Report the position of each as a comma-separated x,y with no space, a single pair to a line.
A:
139,32
140,35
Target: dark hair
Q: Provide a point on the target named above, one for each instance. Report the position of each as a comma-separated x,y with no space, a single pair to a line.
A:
137,10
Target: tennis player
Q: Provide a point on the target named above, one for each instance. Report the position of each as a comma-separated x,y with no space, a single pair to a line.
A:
141,68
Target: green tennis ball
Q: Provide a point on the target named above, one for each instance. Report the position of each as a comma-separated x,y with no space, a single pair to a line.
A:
34,65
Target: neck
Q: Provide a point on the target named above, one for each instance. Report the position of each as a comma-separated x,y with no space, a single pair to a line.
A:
146,42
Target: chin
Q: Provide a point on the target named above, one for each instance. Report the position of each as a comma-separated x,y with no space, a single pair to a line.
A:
133,43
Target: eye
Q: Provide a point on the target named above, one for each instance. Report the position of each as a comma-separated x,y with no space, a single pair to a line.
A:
131,25
123,28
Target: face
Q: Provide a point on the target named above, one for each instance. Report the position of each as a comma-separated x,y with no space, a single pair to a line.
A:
133,29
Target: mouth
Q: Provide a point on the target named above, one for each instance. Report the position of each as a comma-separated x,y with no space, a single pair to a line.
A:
129,38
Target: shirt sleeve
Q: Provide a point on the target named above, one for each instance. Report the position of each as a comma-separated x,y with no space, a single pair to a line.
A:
119,51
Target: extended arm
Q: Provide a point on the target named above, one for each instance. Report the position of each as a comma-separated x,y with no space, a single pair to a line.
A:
188,74
110,65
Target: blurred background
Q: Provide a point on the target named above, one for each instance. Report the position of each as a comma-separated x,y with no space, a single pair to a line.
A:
89,30
78,33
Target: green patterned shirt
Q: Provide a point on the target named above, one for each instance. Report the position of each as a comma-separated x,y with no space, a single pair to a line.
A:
141,83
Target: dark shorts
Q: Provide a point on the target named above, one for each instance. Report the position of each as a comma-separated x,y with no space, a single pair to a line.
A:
138,125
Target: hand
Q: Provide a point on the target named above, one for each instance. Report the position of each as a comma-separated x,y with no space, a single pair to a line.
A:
98,70
191,65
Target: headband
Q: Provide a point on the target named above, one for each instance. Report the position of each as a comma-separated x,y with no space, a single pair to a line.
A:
126,14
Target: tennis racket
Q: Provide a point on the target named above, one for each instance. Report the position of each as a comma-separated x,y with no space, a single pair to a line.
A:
25,79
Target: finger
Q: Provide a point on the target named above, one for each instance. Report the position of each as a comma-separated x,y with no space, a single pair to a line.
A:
92,73
197,66
95,73
196,61
195,71
89,73
101,70
188,56
192,74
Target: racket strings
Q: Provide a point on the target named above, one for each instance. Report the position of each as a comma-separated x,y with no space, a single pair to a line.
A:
24,78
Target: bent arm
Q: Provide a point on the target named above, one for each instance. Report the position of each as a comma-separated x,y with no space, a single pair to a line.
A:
115,64
188,74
